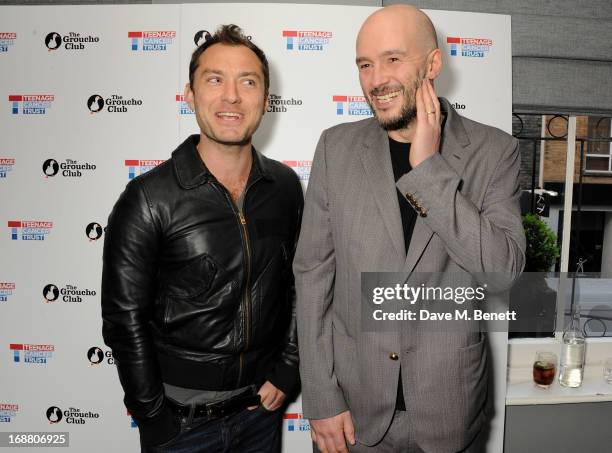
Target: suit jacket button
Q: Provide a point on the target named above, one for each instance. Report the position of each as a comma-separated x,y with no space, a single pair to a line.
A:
423,213
393,356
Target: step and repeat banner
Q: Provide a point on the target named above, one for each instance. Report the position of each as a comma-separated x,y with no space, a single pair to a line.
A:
91,98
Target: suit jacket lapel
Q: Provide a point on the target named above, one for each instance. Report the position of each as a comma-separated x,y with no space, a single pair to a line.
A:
453,144
376,159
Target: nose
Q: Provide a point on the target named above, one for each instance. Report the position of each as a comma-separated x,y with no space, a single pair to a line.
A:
231,93
380,76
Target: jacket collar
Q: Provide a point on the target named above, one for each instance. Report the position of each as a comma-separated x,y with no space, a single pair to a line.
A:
191,171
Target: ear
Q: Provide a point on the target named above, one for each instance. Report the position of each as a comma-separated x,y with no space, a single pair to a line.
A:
434,64
188,95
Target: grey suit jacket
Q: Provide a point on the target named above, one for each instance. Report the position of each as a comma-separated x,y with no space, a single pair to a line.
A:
469,222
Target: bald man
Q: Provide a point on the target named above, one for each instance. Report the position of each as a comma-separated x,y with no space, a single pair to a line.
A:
417,188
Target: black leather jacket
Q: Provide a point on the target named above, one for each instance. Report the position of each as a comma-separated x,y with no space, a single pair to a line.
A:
196,294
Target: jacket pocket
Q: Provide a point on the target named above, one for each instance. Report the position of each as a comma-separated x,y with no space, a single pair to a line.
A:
193,279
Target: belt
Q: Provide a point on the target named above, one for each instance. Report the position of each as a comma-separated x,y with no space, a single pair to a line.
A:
217,409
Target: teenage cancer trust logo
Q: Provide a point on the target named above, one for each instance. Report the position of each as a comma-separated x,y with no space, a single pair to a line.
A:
352,105
30,104
30,230
8,411
32,353
307,40
296,422
469,47
138,167
301,168
6,165
183,106
7,39
151,41
6,290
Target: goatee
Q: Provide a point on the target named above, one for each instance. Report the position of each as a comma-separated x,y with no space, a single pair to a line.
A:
399,122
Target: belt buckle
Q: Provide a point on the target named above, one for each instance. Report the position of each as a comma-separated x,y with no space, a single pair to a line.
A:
214,410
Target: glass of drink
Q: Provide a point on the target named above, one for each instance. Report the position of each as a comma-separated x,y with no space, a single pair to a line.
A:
544,369
608,370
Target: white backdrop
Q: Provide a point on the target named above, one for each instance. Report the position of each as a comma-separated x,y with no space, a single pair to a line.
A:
63,164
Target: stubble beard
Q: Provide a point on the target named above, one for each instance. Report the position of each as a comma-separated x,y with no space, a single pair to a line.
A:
407,112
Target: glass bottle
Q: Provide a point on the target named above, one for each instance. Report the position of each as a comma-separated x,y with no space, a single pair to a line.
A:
571,369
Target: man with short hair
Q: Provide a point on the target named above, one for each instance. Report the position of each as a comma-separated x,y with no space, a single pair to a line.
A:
418,188
198,297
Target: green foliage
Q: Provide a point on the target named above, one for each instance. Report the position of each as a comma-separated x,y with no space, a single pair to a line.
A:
542,249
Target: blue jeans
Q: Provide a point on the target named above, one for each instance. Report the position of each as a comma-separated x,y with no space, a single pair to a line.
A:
256,431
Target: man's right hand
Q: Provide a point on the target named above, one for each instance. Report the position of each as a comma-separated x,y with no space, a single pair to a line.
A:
332,434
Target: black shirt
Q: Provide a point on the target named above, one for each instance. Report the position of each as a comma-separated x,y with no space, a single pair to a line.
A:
401,166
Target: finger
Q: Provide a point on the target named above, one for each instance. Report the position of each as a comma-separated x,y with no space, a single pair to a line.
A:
267,399
332,445
435,100
421,112
339,444
349,430
322,445
278,401
429,103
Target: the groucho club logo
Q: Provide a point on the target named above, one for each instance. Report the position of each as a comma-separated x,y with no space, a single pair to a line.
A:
53,41
70,41
295,421
72,415
307,40
278,104
8,411
139,167
469,47
30,104
30,230
301,168
51,292
70,293
114,103
201,37
70,168
50,167
7,289
94,231
96,356
95,103
54,414
6,166
7,39
32,353
351,105
151,41
183,106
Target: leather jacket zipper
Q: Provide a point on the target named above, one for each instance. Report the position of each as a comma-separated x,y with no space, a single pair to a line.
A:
247,281
247,293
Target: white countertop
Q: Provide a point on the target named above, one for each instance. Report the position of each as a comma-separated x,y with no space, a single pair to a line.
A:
522,391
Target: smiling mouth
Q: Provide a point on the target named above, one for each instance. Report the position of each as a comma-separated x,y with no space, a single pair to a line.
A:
388,97
229,116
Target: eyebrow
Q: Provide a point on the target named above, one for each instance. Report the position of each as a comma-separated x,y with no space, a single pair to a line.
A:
386,53
241,74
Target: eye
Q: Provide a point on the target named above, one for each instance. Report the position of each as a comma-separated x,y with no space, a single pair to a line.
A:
249,82
214,80
393,59
364,66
